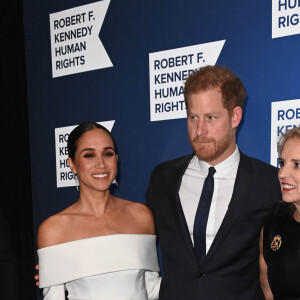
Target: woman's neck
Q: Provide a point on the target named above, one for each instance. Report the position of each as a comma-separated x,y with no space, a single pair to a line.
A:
94,202
297,214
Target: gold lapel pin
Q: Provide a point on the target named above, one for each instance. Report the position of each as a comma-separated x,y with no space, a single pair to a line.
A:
276,243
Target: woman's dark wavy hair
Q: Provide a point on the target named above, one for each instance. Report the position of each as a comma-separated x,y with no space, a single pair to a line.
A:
78,131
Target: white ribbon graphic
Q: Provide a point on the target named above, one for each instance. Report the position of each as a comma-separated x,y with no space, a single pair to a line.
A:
75,42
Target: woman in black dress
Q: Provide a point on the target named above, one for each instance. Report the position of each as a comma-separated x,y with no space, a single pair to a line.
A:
280,242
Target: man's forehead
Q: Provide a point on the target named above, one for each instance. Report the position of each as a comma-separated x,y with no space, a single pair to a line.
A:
206,90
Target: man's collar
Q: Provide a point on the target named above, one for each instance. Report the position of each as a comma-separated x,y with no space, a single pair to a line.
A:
223,167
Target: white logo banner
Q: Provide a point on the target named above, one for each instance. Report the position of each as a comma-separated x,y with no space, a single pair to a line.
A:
64,175
75,42
285,17
168,71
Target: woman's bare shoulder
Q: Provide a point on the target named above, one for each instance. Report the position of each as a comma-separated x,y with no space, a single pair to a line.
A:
142,215
50,230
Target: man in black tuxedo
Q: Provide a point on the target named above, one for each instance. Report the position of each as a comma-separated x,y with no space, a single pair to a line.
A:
212,253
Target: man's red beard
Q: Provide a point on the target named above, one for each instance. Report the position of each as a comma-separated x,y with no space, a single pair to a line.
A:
209,149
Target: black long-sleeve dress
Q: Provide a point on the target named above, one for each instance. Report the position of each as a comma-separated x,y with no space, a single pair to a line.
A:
281,248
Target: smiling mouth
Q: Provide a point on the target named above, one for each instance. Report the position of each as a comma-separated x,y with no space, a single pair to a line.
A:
288,187
100,175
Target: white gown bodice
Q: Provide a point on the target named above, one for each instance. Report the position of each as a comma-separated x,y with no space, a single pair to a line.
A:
113,267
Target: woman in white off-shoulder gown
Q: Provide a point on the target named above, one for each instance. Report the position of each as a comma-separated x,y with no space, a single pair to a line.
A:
120,266
101,247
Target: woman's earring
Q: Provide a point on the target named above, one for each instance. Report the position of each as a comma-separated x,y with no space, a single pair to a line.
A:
115,182
77,183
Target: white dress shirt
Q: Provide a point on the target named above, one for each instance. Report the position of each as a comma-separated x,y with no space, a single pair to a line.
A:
191,188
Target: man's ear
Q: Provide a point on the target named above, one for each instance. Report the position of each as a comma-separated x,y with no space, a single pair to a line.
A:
71,165
236,117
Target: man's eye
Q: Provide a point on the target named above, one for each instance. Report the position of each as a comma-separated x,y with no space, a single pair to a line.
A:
297,165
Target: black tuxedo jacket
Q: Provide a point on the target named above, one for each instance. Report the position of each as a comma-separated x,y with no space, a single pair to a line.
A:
230,269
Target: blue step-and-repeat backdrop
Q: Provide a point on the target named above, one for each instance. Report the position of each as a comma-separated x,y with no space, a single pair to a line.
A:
123,63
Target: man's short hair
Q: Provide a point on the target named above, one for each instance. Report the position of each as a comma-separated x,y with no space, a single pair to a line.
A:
220,78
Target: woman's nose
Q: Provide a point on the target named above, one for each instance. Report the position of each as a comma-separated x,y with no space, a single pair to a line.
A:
284,172
100,163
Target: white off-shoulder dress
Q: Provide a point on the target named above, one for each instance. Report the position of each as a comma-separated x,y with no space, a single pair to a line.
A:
111,267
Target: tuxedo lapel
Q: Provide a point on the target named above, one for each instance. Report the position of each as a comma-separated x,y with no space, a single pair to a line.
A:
243,183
